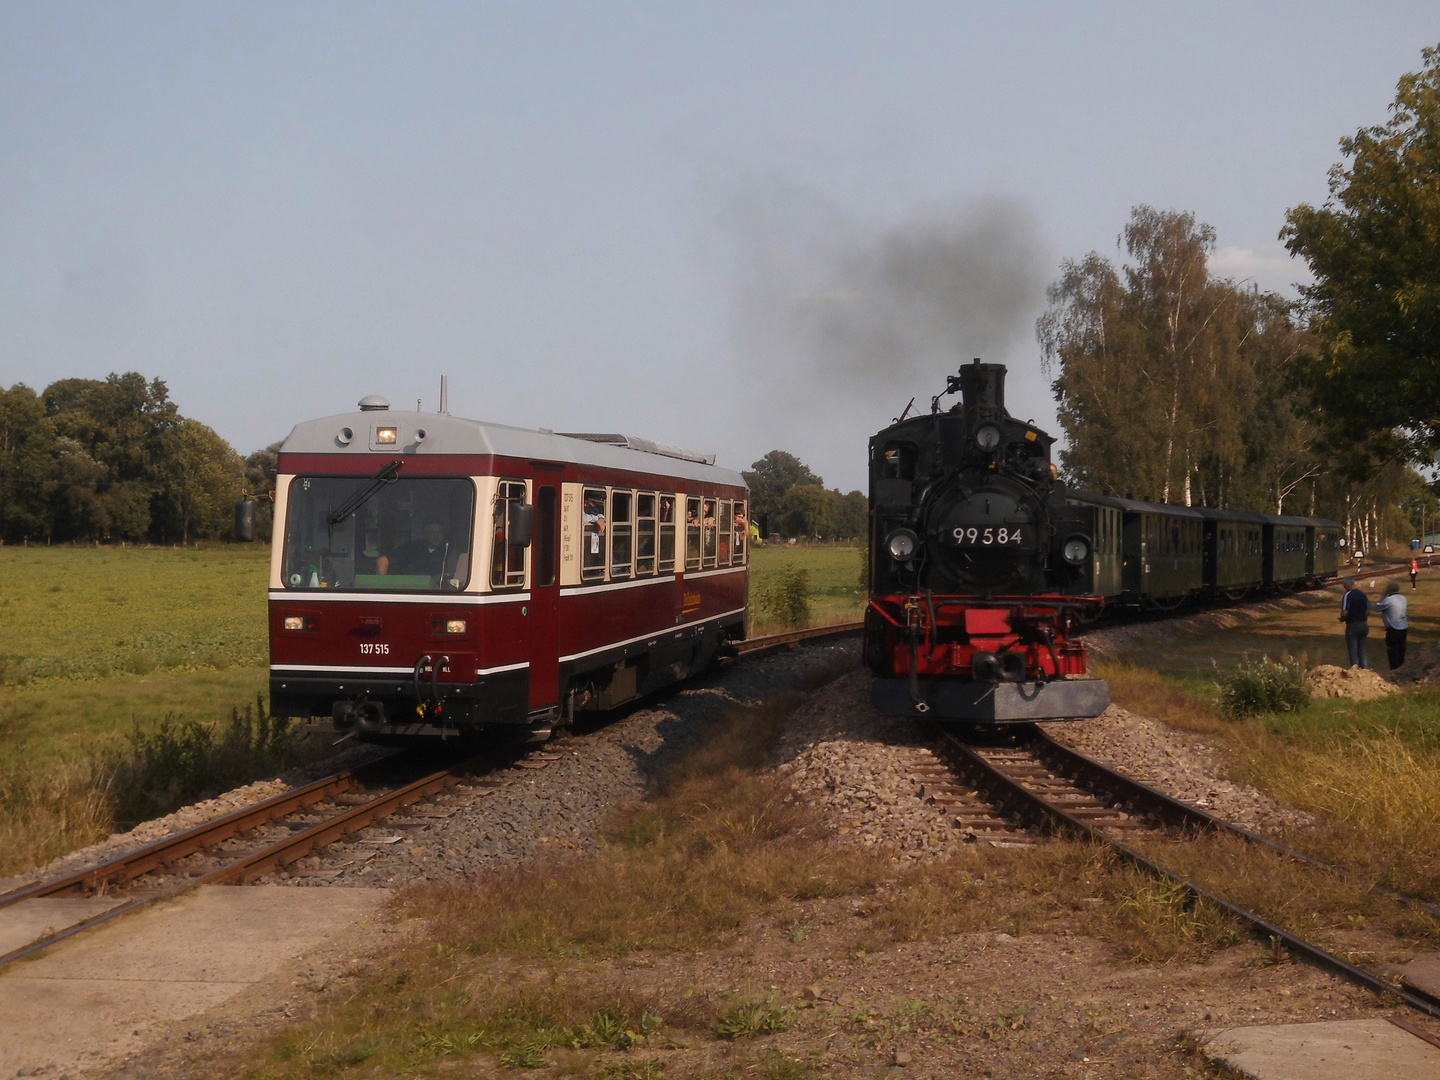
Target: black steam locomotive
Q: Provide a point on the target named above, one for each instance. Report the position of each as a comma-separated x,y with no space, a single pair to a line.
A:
980,568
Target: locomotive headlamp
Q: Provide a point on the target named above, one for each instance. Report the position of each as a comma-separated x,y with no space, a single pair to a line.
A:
1076,550
987,437
902,544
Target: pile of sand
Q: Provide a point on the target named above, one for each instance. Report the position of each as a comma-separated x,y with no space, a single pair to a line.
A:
1423,666
1356,684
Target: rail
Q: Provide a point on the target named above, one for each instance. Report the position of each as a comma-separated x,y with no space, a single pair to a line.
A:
1035,809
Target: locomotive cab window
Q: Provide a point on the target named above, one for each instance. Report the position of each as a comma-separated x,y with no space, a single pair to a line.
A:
507,559
592,543
692,534
644,533
898,461
407,534
621,529
665,561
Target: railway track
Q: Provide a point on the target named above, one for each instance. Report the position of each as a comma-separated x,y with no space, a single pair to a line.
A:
1048,788
276,834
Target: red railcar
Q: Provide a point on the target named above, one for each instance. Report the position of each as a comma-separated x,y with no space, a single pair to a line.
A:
438,576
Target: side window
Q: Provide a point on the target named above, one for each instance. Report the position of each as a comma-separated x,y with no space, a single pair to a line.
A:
692,534
666,562
507,560
742,534
708,525
723,534
592,543
622,533
644,533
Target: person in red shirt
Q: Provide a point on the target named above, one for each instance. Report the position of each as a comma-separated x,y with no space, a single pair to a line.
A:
1414,573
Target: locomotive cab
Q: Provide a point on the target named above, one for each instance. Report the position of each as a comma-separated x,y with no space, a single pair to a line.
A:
980,569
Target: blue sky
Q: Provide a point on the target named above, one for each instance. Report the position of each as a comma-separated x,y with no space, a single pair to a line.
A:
732,227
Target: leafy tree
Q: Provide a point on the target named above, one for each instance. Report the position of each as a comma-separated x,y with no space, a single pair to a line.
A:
806,511
1172,384
261,468
772,477
202,478
26,451
1375,302
850,516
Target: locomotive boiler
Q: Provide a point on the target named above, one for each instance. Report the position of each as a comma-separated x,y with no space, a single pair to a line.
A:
980,567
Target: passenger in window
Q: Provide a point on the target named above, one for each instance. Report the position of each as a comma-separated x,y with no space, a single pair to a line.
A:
595,512
426,555
667,508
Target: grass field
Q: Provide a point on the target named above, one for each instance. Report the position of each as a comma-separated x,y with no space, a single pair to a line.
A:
836,595
94,639
1370,770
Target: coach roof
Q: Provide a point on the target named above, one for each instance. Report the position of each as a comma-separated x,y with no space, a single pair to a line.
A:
437,434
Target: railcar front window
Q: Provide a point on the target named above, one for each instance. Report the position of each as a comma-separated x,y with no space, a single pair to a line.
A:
412,535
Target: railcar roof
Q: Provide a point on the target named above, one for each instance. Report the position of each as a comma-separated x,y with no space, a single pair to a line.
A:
437,434
1134,506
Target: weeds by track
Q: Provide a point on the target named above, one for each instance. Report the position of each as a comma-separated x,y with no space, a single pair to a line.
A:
1049,788
246,844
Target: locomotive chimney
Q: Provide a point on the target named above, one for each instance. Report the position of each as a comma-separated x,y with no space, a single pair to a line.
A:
982,392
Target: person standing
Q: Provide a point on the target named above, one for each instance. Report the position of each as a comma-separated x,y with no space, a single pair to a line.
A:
1392,609
1355,614
1414,573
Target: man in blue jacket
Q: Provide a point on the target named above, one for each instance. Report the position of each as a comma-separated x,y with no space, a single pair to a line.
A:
1355,614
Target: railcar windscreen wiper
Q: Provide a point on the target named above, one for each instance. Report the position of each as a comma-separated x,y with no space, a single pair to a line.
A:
365,494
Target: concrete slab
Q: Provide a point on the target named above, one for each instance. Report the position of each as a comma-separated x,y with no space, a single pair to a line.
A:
1333,1050
1423,974
94,997
32,919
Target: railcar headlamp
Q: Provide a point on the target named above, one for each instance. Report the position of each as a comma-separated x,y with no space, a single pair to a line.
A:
448,626
1076,550
987,437
386,436
300,622
902,544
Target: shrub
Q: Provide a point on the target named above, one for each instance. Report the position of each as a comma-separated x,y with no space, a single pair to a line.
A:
1263,686
787,598
180,761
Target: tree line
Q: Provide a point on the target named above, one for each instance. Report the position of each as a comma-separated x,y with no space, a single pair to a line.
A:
1177,385
112,460
788,499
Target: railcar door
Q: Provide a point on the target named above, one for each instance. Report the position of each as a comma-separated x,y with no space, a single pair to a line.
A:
543,618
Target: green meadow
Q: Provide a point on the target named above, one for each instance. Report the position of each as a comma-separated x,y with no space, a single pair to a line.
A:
836,595
94,639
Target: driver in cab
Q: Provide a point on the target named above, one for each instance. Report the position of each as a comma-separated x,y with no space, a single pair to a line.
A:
425,555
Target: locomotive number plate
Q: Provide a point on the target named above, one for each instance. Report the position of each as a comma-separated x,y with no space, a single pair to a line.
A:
990,536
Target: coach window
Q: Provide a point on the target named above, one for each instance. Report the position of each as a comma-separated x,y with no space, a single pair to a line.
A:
644,533
723,534
507,560
742,534
707,522
592,546
666,561
692,534
622,530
